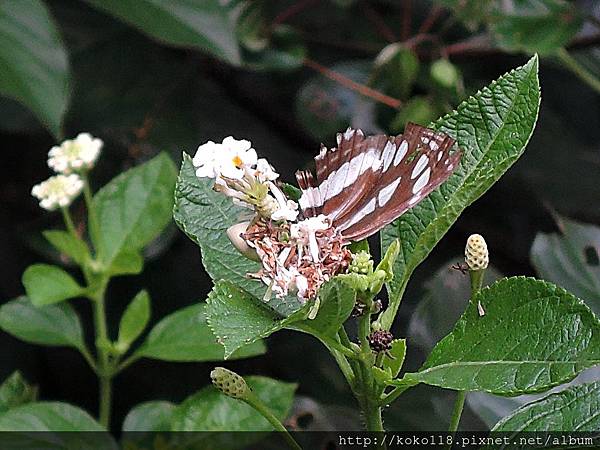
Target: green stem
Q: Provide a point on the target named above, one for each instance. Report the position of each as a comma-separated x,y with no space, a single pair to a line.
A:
574,66
69,222
387,317
258,405
105,371
457,412
395,393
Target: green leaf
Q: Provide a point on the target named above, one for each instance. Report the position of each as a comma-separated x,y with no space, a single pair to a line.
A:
398,352
150,416
33,61
48,416
209,410
127,262
533,336
208,25
46,284
337,302
71,246
541,26
185,336
238,319
205,215
134,208
571,259
55,325
16,391
576,409
134,319
492,129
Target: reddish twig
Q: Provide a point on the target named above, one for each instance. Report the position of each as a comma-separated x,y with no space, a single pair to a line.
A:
294,9
432,17
353,85
382,28
406,20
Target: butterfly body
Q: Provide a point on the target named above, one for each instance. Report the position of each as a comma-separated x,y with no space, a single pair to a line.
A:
367,182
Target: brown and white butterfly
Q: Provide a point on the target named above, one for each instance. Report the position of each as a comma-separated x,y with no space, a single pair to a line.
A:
366,182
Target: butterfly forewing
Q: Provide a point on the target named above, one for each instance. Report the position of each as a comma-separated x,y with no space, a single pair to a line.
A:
378,178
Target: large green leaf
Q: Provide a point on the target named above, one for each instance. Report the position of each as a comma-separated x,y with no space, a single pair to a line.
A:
571,259
44,325
238,319
134,319
491,128
185,336
574,409
68,244
205,215
33,62
208,25
149,416
16,391
210,410
46,284
533,336
134,207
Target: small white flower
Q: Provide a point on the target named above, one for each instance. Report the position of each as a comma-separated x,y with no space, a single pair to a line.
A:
304,232
75,154
286,209
229,159
58,191
264,171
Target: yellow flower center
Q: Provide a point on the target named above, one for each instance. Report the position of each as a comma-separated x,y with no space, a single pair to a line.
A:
237,161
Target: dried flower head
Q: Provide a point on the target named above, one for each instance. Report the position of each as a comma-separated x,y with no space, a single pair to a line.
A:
476,253
57,191
229,383
76,154
380,341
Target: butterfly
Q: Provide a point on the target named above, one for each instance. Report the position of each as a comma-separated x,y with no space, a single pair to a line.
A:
366,182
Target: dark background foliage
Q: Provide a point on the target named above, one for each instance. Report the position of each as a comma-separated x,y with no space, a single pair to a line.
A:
141,96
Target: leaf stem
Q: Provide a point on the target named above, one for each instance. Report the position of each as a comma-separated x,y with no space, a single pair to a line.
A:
89,203
260,407
395,393
580,71
459,403
69,222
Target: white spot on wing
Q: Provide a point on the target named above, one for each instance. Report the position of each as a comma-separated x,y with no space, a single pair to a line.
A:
386,193
348,134
413,200
421,163
401,153
362,213
422,181
388,154
440,154
354,169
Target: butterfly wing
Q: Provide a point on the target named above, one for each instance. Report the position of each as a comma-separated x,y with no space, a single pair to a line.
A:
367,182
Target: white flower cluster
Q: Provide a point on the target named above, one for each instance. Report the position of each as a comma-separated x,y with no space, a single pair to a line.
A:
241,175
76,154
58,191
67,159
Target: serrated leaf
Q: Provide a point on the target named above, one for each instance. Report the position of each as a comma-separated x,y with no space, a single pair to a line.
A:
205,215
576,409
134,319
151,416
34,68
210,410
56,325
71,246
46,284
238,319
533,336
208,25
570,259
185,336
133,208
337,301
492,128
16,391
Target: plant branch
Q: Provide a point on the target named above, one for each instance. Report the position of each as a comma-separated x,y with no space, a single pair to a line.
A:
457,412
380,26
260,407
288,13
89,203
395,393
406,20
574,66
432,17
353,85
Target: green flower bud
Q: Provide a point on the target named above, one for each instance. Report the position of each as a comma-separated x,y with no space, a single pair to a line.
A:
229,383
361,263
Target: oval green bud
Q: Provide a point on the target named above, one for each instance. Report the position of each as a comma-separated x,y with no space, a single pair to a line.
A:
229,383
